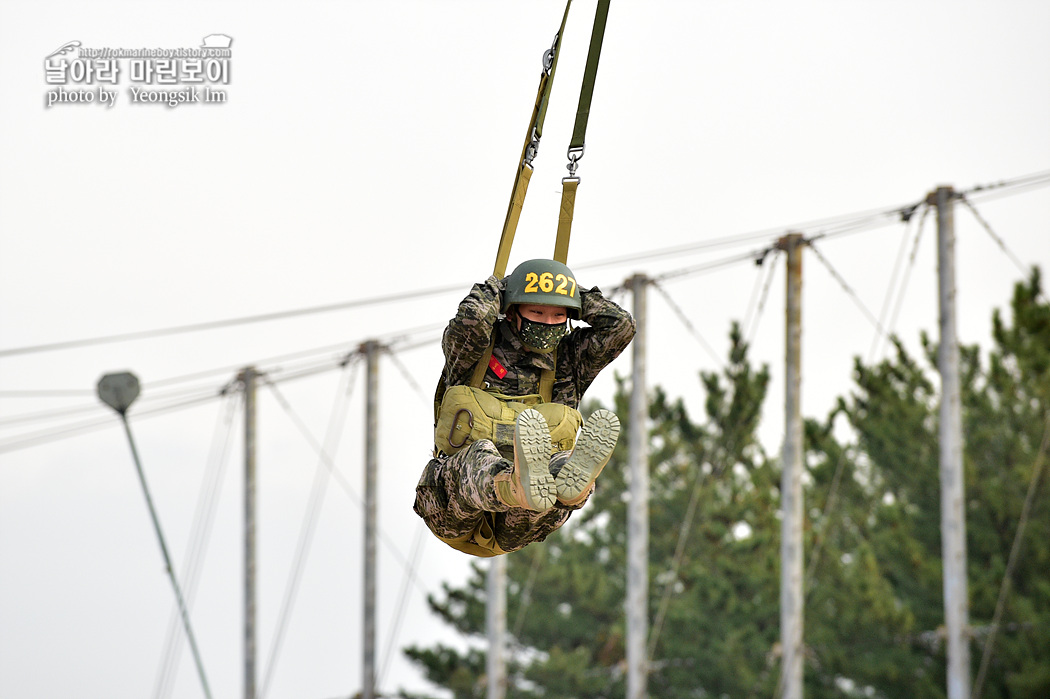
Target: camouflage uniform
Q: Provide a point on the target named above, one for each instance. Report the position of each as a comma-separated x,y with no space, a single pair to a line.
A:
455,492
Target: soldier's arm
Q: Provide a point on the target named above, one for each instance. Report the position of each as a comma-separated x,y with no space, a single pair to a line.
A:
595,347
468,334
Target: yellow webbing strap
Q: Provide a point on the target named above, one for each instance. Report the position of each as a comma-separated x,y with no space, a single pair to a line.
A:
521,179
547,381
546,389
569,184
541,104
482,366
568,204
510,224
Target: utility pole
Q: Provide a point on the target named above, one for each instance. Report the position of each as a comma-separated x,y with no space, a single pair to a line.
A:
638,509
247,378
368,673
496,623
953,516
791,600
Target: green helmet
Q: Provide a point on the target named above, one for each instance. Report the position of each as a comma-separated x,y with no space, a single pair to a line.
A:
543,282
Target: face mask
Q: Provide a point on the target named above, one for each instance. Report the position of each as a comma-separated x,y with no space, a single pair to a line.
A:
540,337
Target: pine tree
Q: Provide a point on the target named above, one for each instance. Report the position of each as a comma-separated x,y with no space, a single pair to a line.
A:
1005,411
872,535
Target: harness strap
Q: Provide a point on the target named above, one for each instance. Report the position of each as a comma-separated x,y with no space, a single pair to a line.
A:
568,204
546,389
528,150
550,64
576,144
483,364
477,379
524,174
590,73
547,381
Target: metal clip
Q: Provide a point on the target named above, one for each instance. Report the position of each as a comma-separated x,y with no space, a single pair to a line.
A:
575,155
533,148
455,424
548,56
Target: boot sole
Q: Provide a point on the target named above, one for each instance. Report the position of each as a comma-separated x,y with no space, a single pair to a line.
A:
532,451
593,449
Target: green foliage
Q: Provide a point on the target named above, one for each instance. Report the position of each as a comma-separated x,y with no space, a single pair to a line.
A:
873,582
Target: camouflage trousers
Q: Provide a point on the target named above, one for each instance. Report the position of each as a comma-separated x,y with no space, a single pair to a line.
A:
454,492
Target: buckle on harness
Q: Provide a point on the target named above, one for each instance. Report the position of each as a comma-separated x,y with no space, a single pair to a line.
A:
548,56
452,430
533,148
575,155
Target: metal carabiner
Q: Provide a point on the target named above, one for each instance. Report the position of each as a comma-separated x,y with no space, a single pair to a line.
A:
452,430
575,155
548,56
533,148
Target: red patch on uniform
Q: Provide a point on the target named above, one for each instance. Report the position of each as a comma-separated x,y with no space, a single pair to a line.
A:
496,367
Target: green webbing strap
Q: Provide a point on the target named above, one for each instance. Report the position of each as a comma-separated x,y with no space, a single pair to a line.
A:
532,138
541,106
570,183
545,97
601,16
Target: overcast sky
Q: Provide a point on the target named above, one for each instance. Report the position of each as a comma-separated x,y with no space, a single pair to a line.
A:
367,149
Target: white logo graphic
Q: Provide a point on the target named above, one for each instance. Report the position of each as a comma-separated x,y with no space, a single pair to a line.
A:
172,77
216,41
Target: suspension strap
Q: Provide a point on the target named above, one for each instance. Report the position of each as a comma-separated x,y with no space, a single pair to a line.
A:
576,144
529,150
568,204
477,379
590,73
546,388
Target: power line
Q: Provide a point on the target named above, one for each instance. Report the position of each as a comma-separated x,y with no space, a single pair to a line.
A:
1015,552
998,239
750,325
539,555
688,324
48,393
708,266
1011,186
823,228
336,473
44,436
847,288
897,266
908,270
227,323
200,536
680,250
402,604
314,362
92,408
325,466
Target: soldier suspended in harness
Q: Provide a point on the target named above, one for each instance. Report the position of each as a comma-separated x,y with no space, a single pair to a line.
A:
513,457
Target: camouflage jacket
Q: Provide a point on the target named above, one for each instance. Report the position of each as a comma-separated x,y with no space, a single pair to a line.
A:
581,354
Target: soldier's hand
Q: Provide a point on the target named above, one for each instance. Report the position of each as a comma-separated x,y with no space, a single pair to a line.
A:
495,287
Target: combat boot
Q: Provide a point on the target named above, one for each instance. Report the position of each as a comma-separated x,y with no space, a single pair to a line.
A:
593,449
530,484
